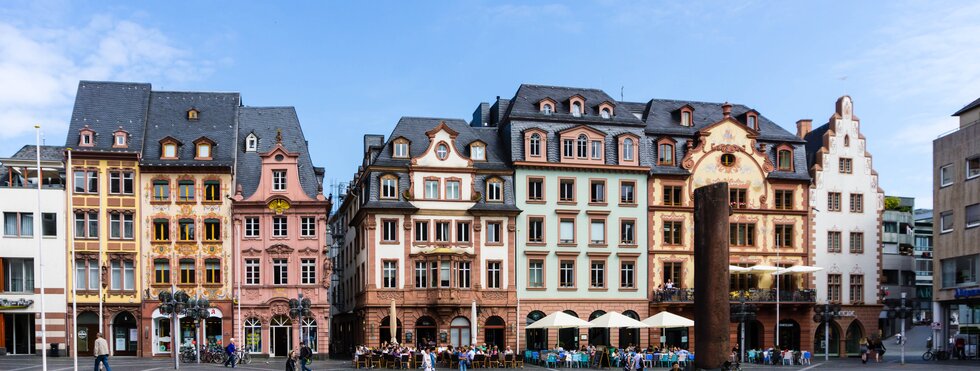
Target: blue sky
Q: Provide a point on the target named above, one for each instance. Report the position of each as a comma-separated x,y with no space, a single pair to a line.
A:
352,68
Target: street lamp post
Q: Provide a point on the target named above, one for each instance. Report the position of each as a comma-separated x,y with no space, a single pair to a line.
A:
741,313
198,310
298,308
825,313
902,309
173,304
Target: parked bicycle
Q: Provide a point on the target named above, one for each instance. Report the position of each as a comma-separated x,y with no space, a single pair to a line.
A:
243,357
935,355
187,354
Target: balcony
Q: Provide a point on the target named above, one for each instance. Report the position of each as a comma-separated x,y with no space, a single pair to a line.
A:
752,296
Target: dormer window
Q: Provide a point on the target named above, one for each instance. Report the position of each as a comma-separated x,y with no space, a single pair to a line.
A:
628,149
389,187
534,145
400,148
576,105
665,154
685,118
546,106
606,110
495,190
251,143
478,151
86,137
577,109
442,151
120,138
203,148
192,114
168,149
784,159
752,120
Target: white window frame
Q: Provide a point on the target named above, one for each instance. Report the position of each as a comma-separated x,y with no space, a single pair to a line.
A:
389,187
976,171
453,189
253,272
252,226
627,275
389,274
943,228
307,271
493,232
976,222
628,149
493,275
307,226
280,226
943,171
495,190
280,271
431,189
478,152
279,180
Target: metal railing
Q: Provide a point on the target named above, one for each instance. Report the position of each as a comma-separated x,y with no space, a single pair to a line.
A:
678,295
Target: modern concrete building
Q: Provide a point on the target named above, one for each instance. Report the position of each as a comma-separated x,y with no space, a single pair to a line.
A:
923,265
21,256
956,209
898,260
280,225
845,208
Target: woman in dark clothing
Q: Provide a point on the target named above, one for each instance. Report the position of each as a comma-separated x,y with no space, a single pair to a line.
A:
291,361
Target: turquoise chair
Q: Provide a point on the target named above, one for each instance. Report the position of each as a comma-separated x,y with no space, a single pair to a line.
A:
583,360
552,360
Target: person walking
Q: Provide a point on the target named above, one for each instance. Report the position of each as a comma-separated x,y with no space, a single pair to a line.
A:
101,352
864,350
230,351
305,355
426,361
291,361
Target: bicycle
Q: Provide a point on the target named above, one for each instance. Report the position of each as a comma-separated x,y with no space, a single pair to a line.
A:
935,355
732,366
243,357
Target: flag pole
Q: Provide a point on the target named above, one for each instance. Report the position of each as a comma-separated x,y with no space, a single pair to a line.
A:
69,174
40,251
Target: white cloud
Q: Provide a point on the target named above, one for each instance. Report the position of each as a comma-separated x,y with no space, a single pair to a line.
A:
40,68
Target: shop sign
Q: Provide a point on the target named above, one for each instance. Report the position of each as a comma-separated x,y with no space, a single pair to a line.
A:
966,293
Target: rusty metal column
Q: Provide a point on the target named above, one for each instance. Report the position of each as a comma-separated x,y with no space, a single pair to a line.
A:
711,319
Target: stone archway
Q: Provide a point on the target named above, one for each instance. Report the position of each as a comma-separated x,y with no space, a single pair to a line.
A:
852,338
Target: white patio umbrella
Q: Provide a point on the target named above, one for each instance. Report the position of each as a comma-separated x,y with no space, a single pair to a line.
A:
799,269
667,319
559,320
737,269
393,323
616,320
762,268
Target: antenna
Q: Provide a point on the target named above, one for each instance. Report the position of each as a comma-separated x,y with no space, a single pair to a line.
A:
621,89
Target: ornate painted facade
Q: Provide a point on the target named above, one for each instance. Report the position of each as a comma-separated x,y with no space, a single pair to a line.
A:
280,226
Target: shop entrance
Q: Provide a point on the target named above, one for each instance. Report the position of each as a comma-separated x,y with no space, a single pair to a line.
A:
88,328
425,331
18,332
493,333
125,335
281,331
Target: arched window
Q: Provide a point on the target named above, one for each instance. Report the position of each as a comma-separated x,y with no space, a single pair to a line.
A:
568,337
847,141
598,336
752,121
251,143
534,145
536,338
605,113
478,152
666,154
459,332
495,190
308,333
119,139
253,335
686,118
576,109
583,146
785,159
442,151
192,114
629,336
389,187
628,149
547,109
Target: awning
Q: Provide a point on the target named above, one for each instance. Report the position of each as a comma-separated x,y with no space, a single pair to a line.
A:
559,320
799,269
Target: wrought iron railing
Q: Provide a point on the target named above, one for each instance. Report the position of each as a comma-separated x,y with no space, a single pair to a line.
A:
678,295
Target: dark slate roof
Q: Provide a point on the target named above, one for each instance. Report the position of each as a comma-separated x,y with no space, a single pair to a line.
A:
105,107
814,141
168,118
48,153
525,105
968,107
663,118
414,129
263,122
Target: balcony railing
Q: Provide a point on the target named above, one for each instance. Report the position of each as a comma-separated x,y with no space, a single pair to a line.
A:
752,295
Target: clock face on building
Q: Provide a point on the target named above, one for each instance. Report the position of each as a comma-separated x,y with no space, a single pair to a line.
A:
278,205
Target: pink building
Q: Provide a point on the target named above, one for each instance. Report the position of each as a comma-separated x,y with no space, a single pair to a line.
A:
280,221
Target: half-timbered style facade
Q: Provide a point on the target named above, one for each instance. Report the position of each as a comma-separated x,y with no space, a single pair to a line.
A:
430,221
280,225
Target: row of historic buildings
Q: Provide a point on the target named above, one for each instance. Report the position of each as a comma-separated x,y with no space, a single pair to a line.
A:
160,191
564,199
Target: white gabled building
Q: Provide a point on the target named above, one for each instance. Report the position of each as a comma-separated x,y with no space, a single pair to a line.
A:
20,269
846,207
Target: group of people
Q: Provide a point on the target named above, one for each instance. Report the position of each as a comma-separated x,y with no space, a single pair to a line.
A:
772,355
871,348
631,358
430,355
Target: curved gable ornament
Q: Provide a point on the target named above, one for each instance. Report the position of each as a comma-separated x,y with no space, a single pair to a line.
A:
278,206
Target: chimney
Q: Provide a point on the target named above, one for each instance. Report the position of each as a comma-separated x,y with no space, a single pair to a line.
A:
803,127
726,110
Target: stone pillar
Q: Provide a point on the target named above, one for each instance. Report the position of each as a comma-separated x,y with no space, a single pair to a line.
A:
711,327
